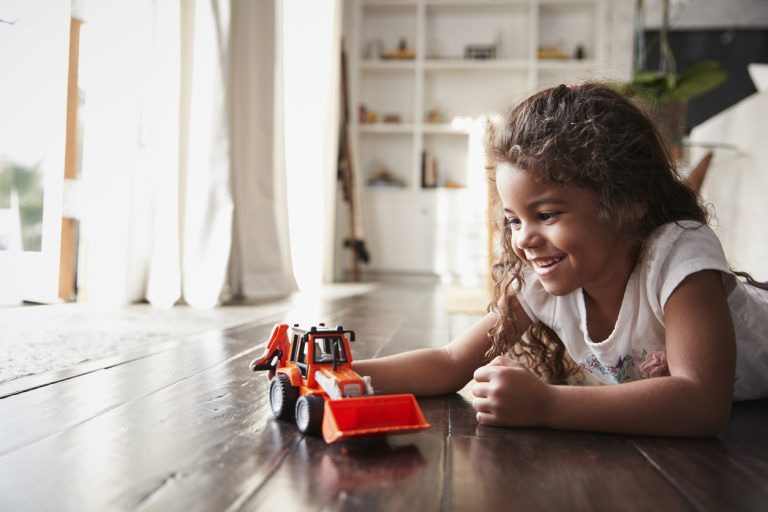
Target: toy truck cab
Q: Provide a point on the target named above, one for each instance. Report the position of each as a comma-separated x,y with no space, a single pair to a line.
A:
319,361
312,380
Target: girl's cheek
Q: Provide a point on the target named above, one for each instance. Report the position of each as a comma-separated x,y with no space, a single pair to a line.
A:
520,254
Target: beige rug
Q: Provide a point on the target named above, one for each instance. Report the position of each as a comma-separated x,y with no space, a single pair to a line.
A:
37,339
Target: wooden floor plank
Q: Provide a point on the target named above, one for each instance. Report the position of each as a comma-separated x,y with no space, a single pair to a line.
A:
143,452
536,469
725,473
396,473
44,411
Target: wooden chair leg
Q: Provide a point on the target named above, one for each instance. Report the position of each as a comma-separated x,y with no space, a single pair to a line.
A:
696,178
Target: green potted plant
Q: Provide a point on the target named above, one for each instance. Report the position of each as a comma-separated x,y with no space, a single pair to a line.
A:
665,92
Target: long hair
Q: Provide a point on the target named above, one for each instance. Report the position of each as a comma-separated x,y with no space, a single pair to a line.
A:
593,137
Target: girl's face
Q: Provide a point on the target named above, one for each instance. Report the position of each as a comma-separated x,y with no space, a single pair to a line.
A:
556,231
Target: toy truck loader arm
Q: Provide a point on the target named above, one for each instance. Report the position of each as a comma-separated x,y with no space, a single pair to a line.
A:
276,352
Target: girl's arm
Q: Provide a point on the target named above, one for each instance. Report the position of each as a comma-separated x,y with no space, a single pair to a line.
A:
695,400
431,371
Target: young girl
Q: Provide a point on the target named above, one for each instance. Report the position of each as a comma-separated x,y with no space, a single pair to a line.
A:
607,259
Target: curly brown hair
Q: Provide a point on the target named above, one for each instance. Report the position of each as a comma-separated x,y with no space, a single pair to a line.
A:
588,136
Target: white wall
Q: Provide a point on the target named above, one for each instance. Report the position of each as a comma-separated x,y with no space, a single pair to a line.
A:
699,14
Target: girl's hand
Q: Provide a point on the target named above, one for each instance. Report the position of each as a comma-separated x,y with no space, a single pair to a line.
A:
507,394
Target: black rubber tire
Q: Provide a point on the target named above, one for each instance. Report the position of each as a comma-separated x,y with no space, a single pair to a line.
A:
309,414
282,397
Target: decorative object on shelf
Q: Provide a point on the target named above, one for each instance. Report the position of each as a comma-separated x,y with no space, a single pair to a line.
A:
374,49
480,51
452,184
428,170
401,52
665,92
580,53
553,52
362,113
386,178
371,117
392,118
435,115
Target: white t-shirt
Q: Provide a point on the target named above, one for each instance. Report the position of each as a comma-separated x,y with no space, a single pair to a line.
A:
636,348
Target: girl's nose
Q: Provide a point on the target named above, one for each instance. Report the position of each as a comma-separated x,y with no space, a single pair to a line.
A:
527,237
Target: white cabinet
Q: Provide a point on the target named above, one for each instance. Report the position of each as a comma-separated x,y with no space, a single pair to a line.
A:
461,61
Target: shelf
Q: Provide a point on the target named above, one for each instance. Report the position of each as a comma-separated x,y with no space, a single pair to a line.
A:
387,65
426,128
566,64
413,193
389,3
477,3
471,65
558,3
398,128
443,129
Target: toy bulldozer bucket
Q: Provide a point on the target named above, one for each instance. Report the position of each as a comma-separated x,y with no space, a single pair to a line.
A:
371,416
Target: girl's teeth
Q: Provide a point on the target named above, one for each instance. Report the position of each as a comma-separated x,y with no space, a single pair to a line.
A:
546,263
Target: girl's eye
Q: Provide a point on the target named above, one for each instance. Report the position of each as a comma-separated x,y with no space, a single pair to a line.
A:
547,216
511,222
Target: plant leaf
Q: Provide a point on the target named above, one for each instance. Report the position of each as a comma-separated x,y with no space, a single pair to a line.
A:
649,79
698,79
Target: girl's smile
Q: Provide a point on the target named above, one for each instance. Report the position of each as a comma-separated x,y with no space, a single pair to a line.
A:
545,266
557,231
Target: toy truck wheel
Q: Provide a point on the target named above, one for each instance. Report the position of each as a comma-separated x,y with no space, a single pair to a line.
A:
282,396
309,414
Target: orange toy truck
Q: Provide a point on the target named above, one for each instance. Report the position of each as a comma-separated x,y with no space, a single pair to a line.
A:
312,381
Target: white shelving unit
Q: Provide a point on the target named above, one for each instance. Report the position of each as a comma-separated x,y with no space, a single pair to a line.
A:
403,223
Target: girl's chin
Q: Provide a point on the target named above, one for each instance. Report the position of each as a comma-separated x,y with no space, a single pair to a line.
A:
556,289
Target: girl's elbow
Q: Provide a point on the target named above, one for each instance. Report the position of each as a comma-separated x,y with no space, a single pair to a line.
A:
713,420
720,420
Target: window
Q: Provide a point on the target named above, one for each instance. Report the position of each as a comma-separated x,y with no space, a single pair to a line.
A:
324,348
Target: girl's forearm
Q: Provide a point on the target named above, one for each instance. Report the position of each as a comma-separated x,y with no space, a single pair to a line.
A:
670,406
431,371
423,372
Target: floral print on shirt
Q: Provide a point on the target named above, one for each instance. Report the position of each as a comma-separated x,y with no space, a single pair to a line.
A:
646,364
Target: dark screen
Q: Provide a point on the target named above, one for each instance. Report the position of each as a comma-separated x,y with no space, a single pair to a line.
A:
732,48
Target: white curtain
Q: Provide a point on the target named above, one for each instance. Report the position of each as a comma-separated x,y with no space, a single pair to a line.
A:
312,44
183,158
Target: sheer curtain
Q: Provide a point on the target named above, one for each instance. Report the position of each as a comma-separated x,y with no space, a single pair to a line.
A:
311,31
188,122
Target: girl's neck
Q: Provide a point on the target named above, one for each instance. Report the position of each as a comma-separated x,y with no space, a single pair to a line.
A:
603,300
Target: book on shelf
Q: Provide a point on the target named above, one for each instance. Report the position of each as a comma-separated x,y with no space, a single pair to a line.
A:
428,170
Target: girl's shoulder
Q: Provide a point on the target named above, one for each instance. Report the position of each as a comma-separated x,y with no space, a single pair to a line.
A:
686,237
672,231
677,250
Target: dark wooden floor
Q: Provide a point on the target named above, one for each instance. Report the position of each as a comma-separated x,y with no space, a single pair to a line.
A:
189,428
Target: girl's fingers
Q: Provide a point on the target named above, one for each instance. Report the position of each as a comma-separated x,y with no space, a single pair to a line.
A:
495,367
480,390
485,418
485,373
505,361
482,405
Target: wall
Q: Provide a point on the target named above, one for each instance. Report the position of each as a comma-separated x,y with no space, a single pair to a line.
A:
697,14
